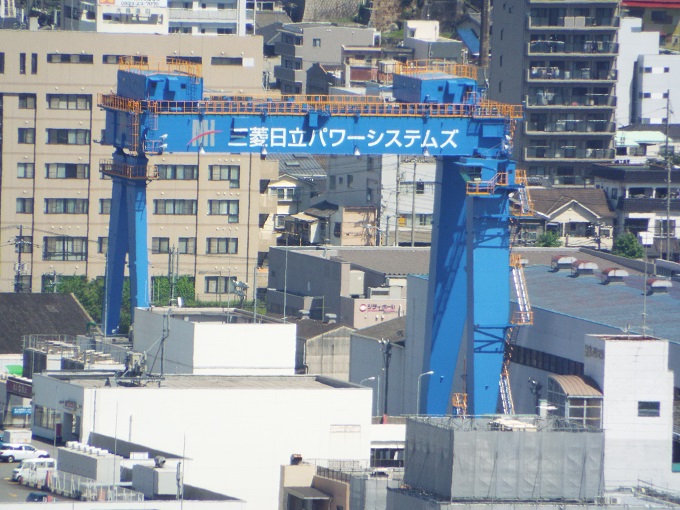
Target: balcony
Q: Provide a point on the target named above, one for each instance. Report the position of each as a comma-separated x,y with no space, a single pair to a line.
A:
646,205
569,153
558,74
573,22
289,75
284,49
570,127
551,99
207,15
588,48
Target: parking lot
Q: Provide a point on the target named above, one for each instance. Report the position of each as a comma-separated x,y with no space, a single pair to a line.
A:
12,492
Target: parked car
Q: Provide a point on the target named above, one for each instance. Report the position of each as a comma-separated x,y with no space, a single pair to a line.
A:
12,452
34,469
40,497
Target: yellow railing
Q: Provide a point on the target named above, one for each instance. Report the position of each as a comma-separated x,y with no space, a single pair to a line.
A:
523,318
169,65
114,168
329,106
526,206
415,67
115,102
487,187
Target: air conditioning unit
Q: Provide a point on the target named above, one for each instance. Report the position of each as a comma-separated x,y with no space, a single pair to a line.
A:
613,500
374,292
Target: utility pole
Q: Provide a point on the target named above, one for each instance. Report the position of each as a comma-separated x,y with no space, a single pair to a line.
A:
668,183
19,244
484,39
413,206
396,206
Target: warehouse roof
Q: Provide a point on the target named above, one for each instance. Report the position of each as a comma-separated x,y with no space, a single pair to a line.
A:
618,305
390,261
393,330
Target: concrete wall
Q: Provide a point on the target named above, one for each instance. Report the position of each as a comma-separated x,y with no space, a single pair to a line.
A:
664,76
216,348
328,354
630,371
417,351
237,438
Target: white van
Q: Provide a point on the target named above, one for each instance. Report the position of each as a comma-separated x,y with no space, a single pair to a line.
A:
33,469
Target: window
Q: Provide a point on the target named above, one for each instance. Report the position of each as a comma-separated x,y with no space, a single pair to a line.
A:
229,173
160,245
316,43
226,61
66,206
67,171
69,101
115,59
662,17
25,170
177,207
285,194
420,188
34,63
25,245
331,182
22,63
221,245
280,221
102,244
187,246
27,135
68,136
220,284
104,206
649,409
64,248
26,102
178,172
69,58
225,208
24,206
350,181
193,59
2,63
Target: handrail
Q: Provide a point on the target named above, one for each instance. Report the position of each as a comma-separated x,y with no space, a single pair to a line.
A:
141,172
487,187
169,65
323,105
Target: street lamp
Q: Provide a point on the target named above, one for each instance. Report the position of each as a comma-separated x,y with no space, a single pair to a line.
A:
377,393
429,372
367,379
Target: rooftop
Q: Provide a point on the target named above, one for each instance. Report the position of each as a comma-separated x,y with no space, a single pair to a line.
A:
548,201
617,305
38,314
252,382
393,330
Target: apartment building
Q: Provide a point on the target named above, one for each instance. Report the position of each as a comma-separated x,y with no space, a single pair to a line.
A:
303,44
561,64
209,209
205,17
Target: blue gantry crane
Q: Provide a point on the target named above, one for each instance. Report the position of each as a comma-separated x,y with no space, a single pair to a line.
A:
439,109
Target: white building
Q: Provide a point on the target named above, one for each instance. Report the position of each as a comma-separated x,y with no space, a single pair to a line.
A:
207,17
201,344
234,432
656,80
637,408
645,78
632,43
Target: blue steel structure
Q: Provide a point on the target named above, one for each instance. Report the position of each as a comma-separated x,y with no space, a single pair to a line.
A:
439,110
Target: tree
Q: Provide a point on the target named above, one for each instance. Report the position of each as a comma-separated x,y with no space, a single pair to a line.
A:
548,239
627,245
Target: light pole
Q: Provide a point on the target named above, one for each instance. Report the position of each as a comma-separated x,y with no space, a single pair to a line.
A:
429,372
377,393
367,379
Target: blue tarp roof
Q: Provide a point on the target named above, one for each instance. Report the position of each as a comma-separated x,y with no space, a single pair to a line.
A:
470,39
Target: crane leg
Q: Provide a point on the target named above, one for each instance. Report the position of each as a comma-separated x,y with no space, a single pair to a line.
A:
468,301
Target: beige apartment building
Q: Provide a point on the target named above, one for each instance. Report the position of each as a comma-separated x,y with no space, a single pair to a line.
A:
55,203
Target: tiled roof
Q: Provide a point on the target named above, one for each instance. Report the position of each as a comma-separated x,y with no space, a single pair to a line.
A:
548,201
309,328
38,314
